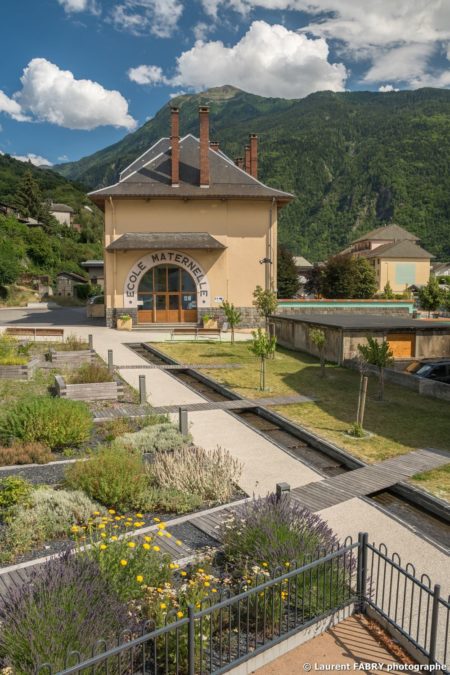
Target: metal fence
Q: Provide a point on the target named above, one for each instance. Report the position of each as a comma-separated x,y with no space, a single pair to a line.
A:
215,637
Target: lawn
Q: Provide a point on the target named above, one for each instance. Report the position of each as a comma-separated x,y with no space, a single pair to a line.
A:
402,422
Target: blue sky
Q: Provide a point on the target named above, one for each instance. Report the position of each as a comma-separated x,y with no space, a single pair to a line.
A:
77,75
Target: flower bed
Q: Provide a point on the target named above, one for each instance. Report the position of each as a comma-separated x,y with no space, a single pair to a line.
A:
15,362
119,583
64,359
22,371
92,391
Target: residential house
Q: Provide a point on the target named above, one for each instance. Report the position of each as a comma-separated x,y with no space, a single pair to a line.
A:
95,270
66,282
63,213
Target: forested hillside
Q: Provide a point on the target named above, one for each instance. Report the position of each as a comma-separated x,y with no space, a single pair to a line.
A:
354,160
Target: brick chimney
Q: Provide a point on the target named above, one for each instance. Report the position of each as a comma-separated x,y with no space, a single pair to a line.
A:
204,146
175,143
254,155
214,145
247,159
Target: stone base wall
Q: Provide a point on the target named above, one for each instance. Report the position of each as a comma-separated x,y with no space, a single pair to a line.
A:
250,317
386,311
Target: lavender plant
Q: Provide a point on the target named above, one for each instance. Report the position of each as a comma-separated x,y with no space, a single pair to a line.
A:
65,606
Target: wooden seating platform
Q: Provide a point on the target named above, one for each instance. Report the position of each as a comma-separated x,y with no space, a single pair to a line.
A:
35,332
196,332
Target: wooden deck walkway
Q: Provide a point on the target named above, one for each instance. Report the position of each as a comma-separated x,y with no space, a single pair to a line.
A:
133,411
181,366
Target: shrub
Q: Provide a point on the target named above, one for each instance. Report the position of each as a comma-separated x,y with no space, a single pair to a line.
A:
210,474
155,437
13,490
10,352
47,514
73,344
113,476
55,422
65,606
25,453
269,532
127,564
90,372
170,500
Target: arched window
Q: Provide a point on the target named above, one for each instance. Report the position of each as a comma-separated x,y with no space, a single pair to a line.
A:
167,294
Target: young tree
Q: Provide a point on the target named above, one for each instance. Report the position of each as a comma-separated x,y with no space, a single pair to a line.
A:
288,281
431,296
377,354
233,316
28,197
388,293
263,346
319,339
265,302
346,276
365,282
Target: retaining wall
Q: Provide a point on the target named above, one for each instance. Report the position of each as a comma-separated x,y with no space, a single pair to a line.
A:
93,391
24,372
75,358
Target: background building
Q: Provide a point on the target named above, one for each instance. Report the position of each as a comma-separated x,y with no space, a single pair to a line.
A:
186,228
95,270
63,213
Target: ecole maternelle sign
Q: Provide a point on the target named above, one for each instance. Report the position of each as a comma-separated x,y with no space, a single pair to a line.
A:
167,257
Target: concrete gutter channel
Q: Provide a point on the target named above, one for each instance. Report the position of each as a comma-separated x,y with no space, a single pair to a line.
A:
418,498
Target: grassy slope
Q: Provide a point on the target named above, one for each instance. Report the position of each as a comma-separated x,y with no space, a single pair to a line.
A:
355,160
403,422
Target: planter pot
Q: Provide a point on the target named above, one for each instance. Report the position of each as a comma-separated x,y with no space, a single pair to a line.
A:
24,372
92,391
124,324
211,323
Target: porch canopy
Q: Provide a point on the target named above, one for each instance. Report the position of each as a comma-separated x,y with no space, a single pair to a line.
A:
137,241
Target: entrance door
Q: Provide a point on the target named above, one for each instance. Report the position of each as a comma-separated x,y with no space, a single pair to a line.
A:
167,294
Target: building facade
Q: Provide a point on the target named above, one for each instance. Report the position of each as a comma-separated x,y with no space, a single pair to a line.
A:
187,228
396,257
62,212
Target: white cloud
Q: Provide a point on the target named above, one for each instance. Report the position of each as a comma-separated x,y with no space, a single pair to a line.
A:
175,94
11,108
386,88
146,75
141,17
54,95
268,60
202,29
63,158
75,6
401,64
37,160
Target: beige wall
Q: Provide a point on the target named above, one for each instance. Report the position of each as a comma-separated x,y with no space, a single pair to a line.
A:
386,270
63,218
241,226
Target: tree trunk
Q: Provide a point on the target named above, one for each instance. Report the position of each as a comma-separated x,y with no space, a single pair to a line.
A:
363,401
232,334
359,398
381,394
262,381
322,365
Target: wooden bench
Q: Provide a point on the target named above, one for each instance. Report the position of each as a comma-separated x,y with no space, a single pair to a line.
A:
36,332
211,332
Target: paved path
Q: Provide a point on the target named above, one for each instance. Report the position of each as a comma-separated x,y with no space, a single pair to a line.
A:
264,464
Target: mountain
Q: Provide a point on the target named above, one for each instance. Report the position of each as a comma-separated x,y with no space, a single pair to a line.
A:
354,160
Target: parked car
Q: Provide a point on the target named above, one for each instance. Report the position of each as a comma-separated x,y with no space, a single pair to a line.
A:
95,307
432,370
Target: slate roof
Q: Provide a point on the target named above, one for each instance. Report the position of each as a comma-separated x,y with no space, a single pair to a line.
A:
61,208
394,232
150,176
92,263
399,249
352,321
73,276
135,241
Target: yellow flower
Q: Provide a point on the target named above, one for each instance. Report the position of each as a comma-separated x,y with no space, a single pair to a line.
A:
157,520
163,605
200,570
178,542
287,564
183,573
173,566
117,518
131,544
180,615
168,535
136,524
103,534
114,537
96,513
156,548
147,538
214,590
74,528
207,584
111,511
124,562
160,533
101,526
264,564
146,546
103,546
139,515
139,579
160,590
161,526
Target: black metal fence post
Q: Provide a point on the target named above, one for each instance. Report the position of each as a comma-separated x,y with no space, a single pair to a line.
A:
110,360
282,489
191,640
183,424
361,576
434,623
142,390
